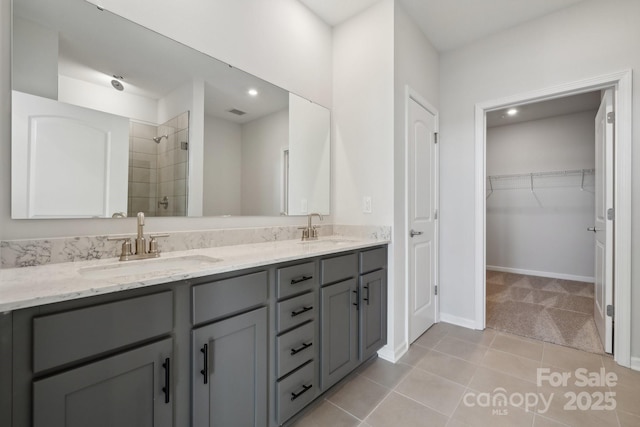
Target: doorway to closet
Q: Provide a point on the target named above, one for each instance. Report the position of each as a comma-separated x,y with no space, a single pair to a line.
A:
540,203
621,83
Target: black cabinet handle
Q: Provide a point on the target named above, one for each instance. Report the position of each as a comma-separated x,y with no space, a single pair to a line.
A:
205,372
305,388
302,310
304,346
367,298
357,303
300,279
167,379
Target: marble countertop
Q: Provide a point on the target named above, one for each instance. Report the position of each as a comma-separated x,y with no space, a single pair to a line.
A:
32,286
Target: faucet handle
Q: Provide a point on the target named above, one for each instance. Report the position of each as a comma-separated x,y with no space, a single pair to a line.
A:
126,247
153,243
305,232
154,236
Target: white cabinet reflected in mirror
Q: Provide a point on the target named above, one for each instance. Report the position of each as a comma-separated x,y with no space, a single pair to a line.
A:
110,118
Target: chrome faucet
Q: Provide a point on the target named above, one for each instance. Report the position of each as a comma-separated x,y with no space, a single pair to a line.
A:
141,251
310,232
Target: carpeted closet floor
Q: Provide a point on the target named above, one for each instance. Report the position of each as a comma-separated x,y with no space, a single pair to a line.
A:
550,310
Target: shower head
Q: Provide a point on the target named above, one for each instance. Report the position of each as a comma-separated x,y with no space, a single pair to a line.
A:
157,139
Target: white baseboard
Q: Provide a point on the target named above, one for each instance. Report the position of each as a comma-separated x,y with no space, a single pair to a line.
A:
635,363
393,356
551,275
460,321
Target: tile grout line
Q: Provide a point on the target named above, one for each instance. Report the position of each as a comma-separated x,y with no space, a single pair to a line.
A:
343,410
422,404
389,391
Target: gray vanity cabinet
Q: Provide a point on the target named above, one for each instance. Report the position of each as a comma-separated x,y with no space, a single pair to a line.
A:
130,389
353,311
373,313
296,340
229,352
339,331
230,371
373,301
242,348
107,361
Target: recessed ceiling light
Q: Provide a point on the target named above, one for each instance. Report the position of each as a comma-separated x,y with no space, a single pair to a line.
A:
252,92
512,111
117,85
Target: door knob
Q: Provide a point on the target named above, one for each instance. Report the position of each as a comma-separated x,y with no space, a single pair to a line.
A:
415,233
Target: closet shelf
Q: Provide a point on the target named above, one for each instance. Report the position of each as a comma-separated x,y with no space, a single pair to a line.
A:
582,178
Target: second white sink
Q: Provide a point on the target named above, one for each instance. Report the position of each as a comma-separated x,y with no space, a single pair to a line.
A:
139,267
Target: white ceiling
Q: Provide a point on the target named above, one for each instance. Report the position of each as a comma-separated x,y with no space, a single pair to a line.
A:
589,101
333,12
449,24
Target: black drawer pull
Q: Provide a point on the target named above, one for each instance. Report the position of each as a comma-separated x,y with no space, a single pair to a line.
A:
357,303
304,346
167,379
367,298
302,310
305,388
300,279
205,372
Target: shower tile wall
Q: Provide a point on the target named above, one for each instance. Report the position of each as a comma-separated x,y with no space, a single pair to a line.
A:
143,159
173,167
158,170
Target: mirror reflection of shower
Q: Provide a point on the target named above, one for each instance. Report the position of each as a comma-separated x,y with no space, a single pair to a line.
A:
158,171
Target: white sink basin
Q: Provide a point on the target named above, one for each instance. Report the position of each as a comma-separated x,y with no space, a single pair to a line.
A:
147,266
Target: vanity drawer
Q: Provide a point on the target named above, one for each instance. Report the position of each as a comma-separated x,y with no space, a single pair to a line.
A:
73,335
338,268
296,347
373,259
295,279
228,296
295,311
295,391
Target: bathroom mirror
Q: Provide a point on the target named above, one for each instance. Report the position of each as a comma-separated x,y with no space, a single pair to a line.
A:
110,118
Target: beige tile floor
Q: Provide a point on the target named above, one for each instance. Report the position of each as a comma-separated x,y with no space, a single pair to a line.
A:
450,369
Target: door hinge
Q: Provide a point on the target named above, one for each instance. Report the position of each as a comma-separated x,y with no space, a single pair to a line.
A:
435,214
436,289
435,137
611,117
184,145
611,214
610,310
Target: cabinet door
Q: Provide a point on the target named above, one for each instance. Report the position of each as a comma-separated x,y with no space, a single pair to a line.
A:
130,389
230,371
339,331
373,313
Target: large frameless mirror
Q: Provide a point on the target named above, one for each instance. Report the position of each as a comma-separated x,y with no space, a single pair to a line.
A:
110,118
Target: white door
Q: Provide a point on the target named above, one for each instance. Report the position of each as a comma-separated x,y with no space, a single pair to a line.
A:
603,226
422,174
67,161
